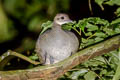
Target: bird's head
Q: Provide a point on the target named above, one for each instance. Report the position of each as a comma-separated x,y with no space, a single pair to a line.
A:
61,19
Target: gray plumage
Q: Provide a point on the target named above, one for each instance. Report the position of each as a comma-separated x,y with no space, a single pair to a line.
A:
56,44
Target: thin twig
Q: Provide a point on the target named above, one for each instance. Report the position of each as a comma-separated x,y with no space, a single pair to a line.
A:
90,7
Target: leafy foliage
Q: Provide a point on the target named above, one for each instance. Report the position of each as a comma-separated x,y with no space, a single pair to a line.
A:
94,30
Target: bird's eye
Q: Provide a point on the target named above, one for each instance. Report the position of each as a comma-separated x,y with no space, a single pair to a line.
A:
57,18
62,17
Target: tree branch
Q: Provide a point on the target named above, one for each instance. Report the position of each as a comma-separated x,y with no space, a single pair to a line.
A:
6,57
52,72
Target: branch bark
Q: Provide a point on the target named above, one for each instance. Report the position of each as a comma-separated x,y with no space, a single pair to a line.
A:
6,57
52,72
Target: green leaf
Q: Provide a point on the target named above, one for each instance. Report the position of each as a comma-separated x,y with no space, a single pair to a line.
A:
114,59
109,31
100,2
90,76
82,24
46,26
88,34
117,12
116,21
97,20
91,27
113,2
95,62
68,26
98,39
103,72
34,57
76,74
100,34
117,30
117,73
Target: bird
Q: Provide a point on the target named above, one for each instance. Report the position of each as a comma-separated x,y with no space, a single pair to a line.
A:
56,44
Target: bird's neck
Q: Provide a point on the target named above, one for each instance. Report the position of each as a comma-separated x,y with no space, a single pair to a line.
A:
56,26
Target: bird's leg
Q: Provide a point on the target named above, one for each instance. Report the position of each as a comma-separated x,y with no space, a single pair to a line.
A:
51,60
47,58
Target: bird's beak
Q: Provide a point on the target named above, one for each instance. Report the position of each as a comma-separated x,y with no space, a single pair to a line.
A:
64,22
67,21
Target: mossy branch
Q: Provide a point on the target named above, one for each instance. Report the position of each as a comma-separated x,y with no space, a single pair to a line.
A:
52,72
6,57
